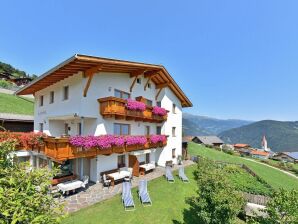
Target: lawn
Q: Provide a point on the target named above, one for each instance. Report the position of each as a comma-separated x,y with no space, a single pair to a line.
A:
16,105
168,205
273,177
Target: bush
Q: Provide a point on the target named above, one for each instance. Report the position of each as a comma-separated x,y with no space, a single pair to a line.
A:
25,196
5,84
217,201
282,208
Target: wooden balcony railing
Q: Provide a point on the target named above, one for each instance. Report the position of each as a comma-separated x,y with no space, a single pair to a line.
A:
59,149
116,107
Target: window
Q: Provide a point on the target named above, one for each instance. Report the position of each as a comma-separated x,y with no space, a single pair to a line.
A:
52,97
158,130
174,131
121,129
149,85
79,128
121,94
65,92
147,158
147,130
40,128
174,109
139,80
41,101
158,103
173,153
149,103
121,161
66,129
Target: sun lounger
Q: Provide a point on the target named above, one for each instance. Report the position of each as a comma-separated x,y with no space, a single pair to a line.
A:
182,175
169,175
127,198
143,193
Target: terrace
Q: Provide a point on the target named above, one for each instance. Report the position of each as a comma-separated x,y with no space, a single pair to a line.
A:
113,107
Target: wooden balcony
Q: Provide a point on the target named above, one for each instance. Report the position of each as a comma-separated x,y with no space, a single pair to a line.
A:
59,149
113,107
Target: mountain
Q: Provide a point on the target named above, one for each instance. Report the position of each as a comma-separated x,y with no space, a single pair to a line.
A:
202,125
281,136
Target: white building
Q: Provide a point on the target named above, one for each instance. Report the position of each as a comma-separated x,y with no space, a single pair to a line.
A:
68,103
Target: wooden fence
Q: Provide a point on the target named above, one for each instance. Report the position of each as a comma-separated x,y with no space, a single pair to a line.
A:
256,199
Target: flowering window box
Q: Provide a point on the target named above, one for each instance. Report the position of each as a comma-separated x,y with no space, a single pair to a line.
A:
118,149
130,148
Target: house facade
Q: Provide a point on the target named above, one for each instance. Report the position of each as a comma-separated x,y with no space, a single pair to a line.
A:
87,96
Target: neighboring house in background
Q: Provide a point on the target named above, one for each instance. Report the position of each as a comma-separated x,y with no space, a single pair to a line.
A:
16,122
208,140
87,95
291,157
239,146
259,154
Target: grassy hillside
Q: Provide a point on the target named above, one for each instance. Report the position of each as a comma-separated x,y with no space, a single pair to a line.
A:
281,136
273,177
16,105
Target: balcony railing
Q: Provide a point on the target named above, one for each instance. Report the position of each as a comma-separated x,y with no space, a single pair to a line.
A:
60,149
113,107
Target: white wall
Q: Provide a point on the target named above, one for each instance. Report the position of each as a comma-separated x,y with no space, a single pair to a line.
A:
103,85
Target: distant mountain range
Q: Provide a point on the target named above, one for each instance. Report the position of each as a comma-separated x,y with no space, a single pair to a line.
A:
281,136
201,125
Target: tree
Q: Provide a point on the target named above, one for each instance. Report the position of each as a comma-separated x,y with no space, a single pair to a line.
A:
282,208
24,193
217,200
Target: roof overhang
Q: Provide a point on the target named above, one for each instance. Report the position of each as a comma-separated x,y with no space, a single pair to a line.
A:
83,63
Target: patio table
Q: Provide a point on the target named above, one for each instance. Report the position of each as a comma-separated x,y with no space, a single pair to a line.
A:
70,185
118,176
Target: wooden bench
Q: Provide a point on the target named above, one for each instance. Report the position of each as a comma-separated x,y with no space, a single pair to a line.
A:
59,180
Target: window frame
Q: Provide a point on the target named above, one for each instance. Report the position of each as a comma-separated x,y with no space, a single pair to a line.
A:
174,132
158,127
139,81
41,100
52,97
147,158
121,94
174,108
121,130
40,127
122,162
65,93
173,153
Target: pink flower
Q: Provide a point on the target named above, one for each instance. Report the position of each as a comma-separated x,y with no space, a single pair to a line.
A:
135,105
159,111
157,139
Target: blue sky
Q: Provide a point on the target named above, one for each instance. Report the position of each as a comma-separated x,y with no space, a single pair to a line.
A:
233,59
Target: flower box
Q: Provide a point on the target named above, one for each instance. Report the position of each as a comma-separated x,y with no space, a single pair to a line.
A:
130,148
118,149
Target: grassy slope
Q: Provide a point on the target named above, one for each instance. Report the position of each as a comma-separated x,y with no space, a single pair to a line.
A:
15,105
168,205
275,178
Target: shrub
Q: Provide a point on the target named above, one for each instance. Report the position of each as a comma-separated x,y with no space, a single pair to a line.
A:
217,201
5,84
282,208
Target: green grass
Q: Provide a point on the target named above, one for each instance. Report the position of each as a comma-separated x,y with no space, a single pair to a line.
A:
16,105
168,205
273,177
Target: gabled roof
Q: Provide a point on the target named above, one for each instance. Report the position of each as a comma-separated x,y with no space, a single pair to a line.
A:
187,138
16,117
261,153
293,155
210,140
240,145
83,63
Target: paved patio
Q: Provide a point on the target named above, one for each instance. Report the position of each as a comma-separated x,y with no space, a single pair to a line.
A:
96,192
